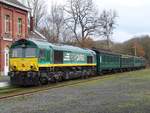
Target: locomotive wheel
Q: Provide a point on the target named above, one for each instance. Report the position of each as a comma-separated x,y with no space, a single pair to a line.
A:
43,80
54,80
60,78
86,77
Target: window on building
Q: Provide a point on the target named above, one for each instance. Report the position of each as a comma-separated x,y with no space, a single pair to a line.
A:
19,25
7,24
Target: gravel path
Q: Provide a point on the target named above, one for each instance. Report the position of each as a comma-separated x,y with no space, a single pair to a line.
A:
4,78
129,93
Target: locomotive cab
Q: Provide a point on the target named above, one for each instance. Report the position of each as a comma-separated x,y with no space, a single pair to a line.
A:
23,56
23,62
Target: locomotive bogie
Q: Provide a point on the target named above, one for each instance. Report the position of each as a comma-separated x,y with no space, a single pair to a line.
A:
24,78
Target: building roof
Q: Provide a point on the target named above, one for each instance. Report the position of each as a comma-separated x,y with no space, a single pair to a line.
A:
36,35
15,3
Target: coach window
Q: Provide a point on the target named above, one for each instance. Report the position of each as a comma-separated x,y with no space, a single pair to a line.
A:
104,57
7,24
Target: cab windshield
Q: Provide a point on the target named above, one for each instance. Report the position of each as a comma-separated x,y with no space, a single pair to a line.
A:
23,52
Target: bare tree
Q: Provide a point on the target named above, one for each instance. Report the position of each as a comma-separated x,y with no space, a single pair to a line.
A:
83,19
79,18
108,21
66,36
56,19
37,10
54,23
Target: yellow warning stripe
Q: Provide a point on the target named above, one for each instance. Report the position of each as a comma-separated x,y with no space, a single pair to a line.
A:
64,65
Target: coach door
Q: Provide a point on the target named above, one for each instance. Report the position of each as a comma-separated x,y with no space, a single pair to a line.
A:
6,61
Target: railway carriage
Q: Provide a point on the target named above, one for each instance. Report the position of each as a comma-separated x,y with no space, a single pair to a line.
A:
33,61
127,62
139,62
107,61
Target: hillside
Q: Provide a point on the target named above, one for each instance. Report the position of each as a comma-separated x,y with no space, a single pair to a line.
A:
138,45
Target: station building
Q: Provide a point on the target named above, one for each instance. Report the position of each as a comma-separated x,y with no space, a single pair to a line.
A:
13,26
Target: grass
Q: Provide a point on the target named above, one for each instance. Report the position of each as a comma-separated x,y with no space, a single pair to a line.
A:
128,77
127,92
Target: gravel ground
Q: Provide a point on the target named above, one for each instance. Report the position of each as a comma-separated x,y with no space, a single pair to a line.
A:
4,78
128,93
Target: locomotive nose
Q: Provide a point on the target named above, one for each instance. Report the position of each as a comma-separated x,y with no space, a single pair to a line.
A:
25,64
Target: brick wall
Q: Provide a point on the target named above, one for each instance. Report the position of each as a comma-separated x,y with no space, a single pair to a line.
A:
4,44
7,38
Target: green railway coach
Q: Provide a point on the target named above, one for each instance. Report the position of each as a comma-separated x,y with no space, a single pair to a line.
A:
139,62
107,61
127,62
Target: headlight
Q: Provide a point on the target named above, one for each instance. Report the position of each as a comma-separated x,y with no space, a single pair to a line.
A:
14,68
33,67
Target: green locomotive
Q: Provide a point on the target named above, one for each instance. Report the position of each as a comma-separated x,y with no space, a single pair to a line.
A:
33,62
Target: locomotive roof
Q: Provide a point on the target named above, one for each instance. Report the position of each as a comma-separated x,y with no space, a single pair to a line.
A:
44,44
61,47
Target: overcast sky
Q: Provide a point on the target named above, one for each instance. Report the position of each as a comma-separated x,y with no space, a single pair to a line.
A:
133,20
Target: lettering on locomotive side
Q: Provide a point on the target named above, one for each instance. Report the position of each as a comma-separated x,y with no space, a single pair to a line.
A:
74,57
81,57
67,57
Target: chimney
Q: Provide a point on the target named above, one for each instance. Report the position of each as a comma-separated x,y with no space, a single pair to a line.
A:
32,23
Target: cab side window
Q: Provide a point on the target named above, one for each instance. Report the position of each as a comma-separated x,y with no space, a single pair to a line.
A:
58,57
89,59
42,54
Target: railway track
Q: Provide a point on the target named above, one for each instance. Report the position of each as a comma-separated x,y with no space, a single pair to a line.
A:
32,90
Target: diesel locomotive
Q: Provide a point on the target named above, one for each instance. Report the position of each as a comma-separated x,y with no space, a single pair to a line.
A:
34,62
